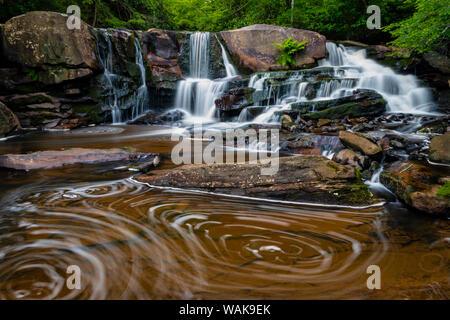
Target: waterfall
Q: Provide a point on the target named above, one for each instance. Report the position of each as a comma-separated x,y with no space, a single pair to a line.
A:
197,93
231,71
141,98
118,95
199,55
402,92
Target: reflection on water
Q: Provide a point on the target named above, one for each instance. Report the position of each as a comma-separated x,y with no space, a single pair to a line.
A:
135,242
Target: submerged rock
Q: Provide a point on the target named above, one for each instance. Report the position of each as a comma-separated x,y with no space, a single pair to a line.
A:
440,148
252,46
53,159
421,186
303,178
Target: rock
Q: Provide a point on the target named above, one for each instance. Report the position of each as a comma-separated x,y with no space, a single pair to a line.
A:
232,103
359,143
253,49
304,178
53,159
323,122
363,103
351,158
420,186
19,100
162,49
286,121
440,148
314,144
53,76
438,61
8,120
41,38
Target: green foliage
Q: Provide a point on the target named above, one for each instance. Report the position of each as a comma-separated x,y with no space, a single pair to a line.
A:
427,29
288,49
444,191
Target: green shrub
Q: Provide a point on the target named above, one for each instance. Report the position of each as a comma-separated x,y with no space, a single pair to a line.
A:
288,49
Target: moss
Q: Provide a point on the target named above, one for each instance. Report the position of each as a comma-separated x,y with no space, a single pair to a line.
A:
92,112
444,191
332,166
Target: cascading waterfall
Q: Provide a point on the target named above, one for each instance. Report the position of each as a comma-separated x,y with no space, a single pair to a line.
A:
197,93
346,70
402,92
118,95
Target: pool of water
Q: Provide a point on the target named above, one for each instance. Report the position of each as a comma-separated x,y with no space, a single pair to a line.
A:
136,242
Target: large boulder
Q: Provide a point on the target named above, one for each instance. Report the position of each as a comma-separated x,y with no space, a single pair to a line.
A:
162,50
359,143
8,120
421,186
53,159
41,38
252,46
299,178
440,148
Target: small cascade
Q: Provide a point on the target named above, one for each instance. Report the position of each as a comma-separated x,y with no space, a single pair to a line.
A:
197,93
231,71
117,89
141,97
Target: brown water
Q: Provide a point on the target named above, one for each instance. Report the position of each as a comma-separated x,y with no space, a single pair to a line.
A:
134,242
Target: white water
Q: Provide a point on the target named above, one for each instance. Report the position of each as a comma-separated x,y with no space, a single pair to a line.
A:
116,99
231,71
402,92
197,94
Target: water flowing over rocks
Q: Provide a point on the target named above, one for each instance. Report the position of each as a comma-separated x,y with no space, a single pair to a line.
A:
53,159
302,178
251,46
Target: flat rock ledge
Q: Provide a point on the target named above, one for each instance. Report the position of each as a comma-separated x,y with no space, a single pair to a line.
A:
54,159
303,178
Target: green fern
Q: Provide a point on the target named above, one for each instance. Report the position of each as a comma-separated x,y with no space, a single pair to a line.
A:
288,50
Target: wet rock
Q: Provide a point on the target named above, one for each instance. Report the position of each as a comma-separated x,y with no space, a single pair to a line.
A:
440,148
53,159
421,186
162,49
232,103
323,122
41,38
8,121
351,158
304,178
314,144
438,61
359,143
252,46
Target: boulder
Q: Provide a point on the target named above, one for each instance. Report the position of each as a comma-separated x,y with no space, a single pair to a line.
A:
421,186
161,48
350,157
299,178
359,143
53,159
438,61
440,148
363,103
314,144
252,46
41,38
8,120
